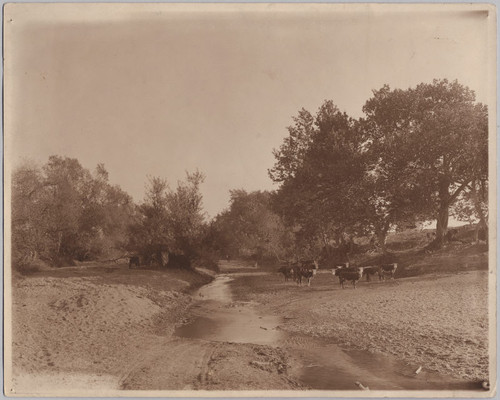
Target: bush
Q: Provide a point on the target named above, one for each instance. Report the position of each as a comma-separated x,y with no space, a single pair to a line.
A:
29,267
207,259
178,261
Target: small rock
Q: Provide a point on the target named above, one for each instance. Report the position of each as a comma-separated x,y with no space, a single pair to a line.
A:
358,384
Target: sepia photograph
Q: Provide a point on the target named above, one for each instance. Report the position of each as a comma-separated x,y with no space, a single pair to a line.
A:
250,200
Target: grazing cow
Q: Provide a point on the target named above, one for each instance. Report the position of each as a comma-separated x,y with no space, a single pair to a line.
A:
387,270
307,270
288,272
349,274
370,270
307,274
134,261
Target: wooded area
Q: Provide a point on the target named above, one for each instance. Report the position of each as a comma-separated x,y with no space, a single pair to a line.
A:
417,155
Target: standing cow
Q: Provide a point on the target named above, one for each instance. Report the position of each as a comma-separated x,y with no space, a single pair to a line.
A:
287,271
307,270
387,270
352,274
368,271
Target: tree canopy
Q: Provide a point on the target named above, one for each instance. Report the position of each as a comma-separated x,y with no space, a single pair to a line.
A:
408,159
168,220
61,211
250,228
436,137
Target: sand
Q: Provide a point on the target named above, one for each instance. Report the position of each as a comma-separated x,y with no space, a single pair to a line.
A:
437,321
76,331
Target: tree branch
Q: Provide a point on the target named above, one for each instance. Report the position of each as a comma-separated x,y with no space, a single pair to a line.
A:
452,198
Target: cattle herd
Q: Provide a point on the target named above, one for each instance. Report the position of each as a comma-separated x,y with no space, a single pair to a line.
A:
306,270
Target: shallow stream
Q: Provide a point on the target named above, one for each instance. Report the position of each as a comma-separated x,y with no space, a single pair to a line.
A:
325,366
218,318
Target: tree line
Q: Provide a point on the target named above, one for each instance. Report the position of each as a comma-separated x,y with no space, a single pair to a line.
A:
62,212
419,154
416,155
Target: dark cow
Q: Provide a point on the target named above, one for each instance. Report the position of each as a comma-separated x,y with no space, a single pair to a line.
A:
287,271
307,270
134,262
370,270
306,274
348,274
387,270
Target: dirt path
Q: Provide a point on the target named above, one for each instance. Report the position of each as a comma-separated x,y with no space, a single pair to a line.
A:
175,364
194,364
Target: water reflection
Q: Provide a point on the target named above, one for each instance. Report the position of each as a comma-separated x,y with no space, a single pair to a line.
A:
218,318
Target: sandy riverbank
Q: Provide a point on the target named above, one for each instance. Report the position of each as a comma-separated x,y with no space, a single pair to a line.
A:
78,328
113,329
439,322
89,331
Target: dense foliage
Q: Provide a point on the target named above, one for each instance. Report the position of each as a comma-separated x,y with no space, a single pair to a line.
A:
418,154
435,137
169,221
63,212
249,228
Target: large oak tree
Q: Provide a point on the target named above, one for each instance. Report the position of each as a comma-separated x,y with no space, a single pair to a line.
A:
436,136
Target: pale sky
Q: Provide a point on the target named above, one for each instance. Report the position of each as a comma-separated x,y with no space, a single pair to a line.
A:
161,89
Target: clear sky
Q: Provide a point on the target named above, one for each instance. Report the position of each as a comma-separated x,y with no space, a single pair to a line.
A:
161,89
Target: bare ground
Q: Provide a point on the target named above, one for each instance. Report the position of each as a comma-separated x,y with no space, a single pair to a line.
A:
80,326
101,329
112,328
203,365
439,322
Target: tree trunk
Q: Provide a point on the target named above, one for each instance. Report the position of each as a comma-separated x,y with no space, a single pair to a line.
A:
339,239
476,233
479,211
443,213
442,225
382,238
